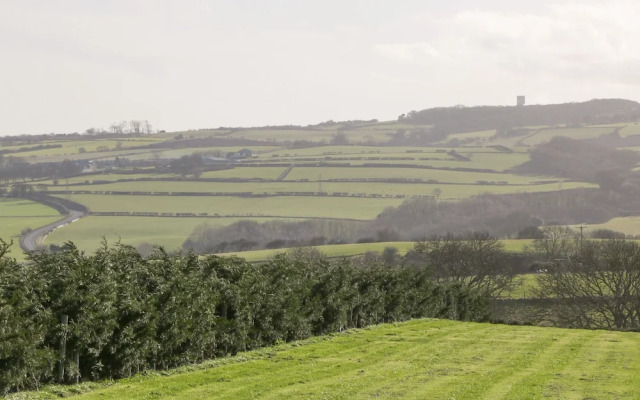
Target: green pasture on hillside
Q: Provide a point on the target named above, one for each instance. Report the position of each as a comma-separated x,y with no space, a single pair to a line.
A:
311,135
106,155
627,225
101,177
240,172
355,249
285,188
328,173
375,151
480,135
168,153
546,135
630,129
330,250
282,206
90,146
420,359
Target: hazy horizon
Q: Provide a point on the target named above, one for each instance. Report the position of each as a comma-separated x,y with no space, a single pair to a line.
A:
204,64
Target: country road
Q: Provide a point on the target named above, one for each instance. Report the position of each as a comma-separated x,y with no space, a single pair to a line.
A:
33,239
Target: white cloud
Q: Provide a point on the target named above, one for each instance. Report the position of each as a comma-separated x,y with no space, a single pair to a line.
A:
408,52
570,39
75,64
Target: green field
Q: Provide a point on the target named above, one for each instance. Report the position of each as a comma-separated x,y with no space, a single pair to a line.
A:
448,191
546,135
355,249
627,225
269,173
285,206
312,173
16,215
420,359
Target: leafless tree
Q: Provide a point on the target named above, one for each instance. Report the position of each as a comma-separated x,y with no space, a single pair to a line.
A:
135,127
558,243
118,127
476,260
596,286
146,127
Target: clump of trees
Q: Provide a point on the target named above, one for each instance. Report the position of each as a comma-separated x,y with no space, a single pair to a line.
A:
472,119
248,235
115,313
515,215
580,160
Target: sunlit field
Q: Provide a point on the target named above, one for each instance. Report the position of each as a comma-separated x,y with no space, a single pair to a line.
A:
421,359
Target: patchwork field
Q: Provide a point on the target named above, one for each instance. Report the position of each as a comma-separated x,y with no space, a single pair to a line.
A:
301,172
421,359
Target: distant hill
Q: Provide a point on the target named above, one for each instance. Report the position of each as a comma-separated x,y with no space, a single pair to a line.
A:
503,118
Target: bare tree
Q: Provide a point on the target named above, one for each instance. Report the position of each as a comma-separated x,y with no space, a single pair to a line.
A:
476,260
596,286
146,127
135,127
558,243
118,127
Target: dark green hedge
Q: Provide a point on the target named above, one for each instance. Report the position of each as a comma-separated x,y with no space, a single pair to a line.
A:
128,313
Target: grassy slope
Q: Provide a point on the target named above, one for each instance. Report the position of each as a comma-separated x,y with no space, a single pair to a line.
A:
422,359
628,225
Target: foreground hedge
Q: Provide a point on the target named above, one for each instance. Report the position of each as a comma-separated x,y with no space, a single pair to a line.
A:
128,313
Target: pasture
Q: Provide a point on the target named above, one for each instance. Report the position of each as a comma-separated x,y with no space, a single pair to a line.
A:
356,249
16,215
445,176
627,225
419,359
282,206
545,135
312,187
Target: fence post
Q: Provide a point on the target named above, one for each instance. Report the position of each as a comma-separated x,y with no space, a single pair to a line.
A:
64,321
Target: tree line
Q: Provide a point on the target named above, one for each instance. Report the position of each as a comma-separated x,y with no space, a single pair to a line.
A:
472,119
68,315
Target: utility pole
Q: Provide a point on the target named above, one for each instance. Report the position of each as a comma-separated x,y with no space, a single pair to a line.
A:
581,227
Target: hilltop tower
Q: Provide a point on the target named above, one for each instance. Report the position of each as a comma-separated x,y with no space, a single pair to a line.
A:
520,101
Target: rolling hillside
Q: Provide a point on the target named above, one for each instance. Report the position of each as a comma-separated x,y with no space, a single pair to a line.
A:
157,189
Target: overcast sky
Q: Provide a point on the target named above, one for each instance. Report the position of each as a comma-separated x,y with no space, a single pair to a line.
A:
68,65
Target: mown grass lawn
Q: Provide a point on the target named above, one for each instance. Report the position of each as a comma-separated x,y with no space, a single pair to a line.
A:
421,359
